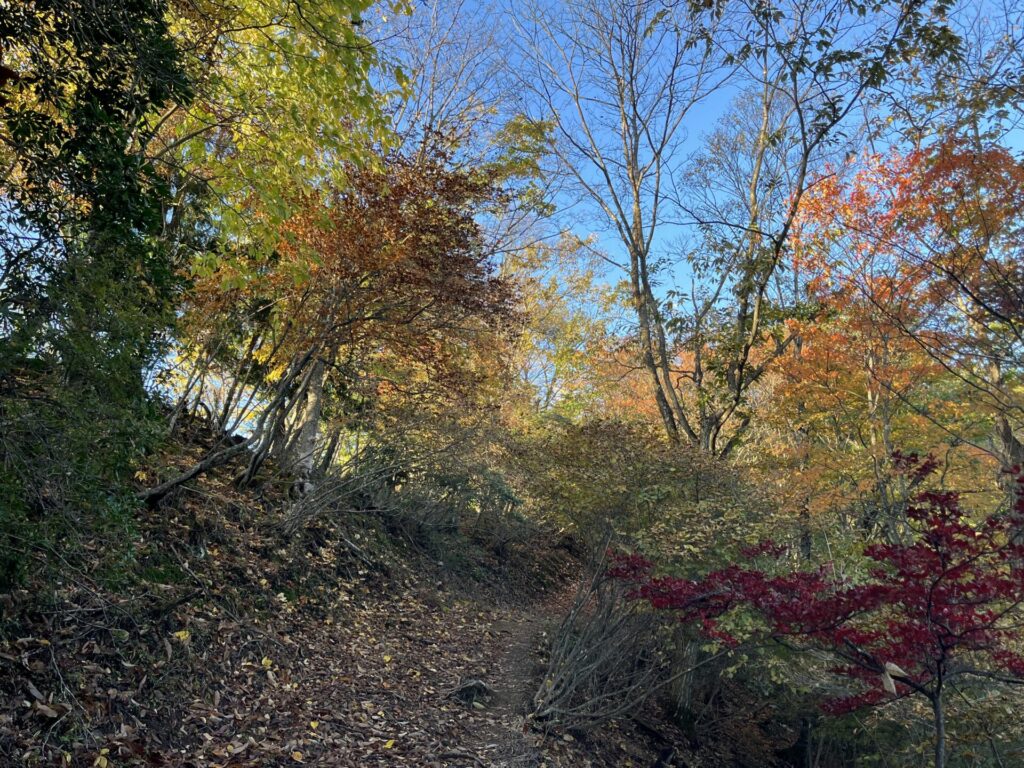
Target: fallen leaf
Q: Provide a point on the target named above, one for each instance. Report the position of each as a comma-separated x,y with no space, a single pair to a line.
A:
43,709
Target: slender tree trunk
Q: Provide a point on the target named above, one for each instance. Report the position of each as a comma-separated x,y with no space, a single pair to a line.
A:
152,496
1011,449
330,450
801,439
940,729
307,423
647,351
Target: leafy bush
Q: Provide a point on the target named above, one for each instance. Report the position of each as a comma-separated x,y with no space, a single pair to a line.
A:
606,476
936,614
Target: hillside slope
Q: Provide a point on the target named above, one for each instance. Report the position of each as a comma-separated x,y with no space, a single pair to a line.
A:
202,634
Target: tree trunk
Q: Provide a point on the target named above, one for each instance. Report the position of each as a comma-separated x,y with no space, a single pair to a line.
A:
940,729
647,351
1011,449
307,423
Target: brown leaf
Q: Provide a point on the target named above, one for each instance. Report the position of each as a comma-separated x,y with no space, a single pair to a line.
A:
43,709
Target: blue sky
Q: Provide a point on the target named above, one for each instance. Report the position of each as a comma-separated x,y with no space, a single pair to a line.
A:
584,217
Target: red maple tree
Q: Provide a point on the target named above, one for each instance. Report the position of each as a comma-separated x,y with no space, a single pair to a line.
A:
941,606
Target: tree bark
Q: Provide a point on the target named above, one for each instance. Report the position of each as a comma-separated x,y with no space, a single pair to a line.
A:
307,423
940,728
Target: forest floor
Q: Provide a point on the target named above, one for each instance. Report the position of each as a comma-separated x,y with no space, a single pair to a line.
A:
240,646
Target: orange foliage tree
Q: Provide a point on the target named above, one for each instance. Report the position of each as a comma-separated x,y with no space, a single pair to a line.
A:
386,294
863,377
